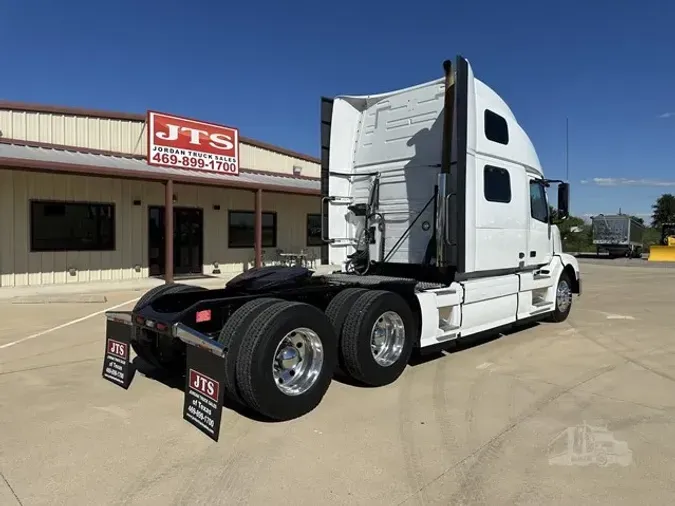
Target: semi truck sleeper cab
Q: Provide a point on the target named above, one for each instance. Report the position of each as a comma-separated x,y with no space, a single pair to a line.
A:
434,205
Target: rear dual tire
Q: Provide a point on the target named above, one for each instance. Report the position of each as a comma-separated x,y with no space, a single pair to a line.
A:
281,357
231,337
376,331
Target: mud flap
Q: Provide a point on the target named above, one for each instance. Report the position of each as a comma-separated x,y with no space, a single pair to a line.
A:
118,332
204,378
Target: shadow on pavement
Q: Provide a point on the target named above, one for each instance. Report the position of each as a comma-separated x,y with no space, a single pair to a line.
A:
607,258
419,359
469,342
178,382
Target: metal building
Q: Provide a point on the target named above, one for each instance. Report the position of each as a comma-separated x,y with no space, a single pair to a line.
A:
79,203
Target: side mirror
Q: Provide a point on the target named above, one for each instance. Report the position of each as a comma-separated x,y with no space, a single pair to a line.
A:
563,200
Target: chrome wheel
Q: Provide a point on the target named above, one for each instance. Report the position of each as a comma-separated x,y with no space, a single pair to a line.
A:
298,360
387,338
563,296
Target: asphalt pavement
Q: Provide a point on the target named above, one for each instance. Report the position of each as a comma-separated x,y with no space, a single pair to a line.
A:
580,412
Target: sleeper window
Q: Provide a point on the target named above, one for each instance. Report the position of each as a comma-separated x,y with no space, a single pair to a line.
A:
496,184
496,128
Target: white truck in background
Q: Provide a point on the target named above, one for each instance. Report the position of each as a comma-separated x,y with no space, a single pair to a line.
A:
434,203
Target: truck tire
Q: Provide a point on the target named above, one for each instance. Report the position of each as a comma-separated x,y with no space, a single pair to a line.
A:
231,336
372,358
337,311
286,360
141,345
563,299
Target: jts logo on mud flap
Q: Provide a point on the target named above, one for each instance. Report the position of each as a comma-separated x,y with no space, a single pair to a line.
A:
205,385
118,349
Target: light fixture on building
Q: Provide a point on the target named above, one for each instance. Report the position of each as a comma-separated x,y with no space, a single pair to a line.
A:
137,202
216,269
297,170
216,207
175,199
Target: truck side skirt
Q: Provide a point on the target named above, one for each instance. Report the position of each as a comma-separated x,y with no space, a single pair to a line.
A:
478,305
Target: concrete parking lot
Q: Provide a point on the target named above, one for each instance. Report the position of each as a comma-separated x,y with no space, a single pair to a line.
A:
581,412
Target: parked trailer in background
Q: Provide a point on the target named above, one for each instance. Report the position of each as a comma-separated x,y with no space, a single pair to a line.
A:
620,235
434,204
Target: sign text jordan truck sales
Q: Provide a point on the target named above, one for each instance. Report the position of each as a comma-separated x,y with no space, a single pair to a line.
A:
184,143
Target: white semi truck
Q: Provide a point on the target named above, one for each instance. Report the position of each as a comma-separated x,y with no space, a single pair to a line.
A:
434,204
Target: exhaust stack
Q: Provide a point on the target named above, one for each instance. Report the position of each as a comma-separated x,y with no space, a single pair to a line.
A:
444,176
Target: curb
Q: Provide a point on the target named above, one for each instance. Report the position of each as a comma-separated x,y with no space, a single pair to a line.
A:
83,298
99,293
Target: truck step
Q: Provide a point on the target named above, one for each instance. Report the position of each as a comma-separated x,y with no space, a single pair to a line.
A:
542,303
448,328
447,336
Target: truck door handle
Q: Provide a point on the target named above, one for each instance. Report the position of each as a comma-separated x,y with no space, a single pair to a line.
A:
533,254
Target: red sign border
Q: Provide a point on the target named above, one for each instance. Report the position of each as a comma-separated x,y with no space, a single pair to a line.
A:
148,157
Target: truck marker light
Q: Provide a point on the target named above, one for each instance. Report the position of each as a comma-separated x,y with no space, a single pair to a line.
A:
203,316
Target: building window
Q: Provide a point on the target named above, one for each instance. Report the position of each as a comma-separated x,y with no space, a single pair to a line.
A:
241,229
71,226
538,203
496,184
496,129
314,230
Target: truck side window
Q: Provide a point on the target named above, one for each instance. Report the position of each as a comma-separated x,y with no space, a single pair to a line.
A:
496,184
538,203
496,128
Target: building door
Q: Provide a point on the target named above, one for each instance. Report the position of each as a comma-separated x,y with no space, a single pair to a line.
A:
188,242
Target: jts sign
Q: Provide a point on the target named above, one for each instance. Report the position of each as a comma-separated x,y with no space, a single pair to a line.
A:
189,144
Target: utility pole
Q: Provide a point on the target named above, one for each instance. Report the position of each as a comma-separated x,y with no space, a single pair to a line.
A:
567,150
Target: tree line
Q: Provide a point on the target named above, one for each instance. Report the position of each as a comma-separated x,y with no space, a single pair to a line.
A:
577,234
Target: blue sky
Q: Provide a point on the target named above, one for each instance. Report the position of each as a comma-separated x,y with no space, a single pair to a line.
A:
262,66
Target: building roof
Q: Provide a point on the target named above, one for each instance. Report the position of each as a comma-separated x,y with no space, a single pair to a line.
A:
18,155
125,116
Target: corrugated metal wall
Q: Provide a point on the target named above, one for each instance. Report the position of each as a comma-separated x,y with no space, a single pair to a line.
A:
80,131
20,267
124,136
